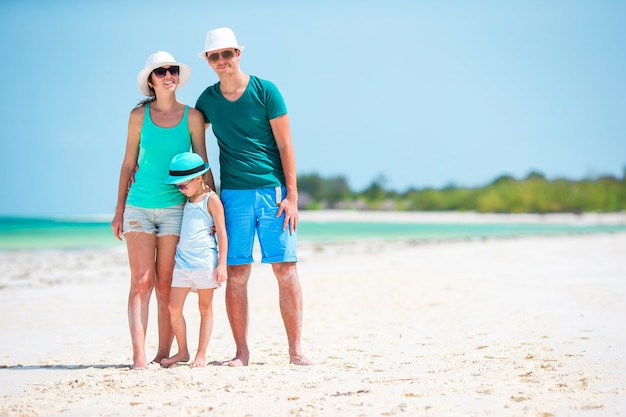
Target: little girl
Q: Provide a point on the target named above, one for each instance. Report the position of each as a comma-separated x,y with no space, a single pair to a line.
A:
200,259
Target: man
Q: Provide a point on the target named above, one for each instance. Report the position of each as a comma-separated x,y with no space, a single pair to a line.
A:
258,186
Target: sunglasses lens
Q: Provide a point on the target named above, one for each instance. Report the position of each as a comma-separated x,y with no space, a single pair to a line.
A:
227,55
161,72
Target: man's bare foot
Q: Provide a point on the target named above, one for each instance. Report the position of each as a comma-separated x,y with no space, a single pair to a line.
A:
236,362
300,360
179,357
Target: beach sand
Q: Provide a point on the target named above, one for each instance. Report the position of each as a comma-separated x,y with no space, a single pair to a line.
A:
517,327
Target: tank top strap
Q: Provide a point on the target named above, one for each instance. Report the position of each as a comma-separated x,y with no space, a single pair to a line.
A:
146,114
185,120
205,201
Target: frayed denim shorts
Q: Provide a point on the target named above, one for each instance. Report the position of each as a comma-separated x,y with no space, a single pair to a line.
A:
163,221
250,212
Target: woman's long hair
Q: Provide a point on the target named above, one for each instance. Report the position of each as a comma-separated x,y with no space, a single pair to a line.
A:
145,101
149,99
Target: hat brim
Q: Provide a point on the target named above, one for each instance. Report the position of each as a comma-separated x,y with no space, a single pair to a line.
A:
178,179
202,54
142,78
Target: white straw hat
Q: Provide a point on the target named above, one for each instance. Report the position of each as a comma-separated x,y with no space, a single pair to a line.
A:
221,38
157,60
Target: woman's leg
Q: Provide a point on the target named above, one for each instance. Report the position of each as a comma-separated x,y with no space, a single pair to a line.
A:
166,249
141,247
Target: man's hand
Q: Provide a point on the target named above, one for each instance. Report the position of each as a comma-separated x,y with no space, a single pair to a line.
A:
290,209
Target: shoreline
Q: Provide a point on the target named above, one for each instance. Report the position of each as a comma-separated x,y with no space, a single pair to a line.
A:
460,217
329,226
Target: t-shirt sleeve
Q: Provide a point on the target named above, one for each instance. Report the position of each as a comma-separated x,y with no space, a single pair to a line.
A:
201,104
274,102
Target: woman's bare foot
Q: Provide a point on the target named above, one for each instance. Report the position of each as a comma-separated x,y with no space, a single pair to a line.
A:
179,357
159,358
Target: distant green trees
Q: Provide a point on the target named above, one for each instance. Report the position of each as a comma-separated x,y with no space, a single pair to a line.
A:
533,194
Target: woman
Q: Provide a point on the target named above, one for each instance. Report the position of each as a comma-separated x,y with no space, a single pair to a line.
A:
149,212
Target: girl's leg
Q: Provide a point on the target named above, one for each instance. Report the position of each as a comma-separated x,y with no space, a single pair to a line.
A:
176,304
166,249
141,247
205,304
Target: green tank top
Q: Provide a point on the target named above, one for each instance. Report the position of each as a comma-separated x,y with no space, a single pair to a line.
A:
157,147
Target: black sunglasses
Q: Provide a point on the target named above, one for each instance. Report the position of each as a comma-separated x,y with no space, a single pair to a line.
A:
227,55
161,72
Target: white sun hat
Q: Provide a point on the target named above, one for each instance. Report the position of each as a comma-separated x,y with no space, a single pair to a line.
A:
221,38
160,59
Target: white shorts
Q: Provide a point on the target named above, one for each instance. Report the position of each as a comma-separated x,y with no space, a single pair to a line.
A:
200,279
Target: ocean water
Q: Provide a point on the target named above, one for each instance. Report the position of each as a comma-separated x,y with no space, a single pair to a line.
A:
47,233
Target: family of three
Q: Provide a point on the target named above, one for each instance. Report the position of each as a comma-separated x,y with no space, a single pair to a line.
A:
180,235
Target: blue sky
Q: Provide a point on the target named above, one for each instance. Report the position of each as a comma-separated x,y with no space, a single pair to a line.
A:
422,93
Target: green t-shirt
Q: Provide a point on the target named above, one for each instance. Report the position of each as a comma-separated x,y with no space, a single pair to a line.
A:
157,147
249,157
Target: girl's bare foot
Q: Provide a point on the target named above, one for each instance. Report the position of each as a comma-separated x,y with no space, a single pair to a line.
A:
139,366
179,357
139,362
199,362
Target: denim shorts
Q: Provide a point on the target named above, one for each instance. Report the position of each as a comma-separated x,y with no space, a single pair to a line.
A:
164,221
250,212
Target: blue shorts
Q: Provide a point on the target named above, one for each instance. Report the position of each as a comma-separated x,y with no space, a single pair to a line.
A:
250,212
165,221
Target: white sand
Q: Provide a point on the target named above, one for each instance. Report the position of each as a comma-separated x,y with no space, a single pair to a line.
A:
521,327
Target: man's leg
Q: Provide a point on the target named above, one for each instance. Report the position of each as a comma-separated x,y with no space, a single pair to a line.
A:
237,309
290,296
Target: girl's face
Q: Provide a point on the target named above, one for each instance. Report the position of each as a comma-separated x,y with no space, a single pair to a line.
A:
190,187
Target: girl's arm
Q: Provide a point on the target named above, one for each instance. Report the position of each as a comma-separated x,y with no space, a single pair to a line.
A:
216,209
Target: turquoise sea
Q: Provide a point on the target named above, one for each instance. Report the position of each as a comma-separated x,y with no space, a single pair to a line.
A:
80,233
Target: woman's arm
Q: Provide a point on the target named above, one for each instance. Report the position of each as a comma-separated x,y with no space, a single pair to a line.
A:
198,141
129,165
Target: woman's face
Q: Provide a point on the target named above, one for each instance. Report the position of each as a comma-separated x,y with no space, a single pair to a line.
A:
164,78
